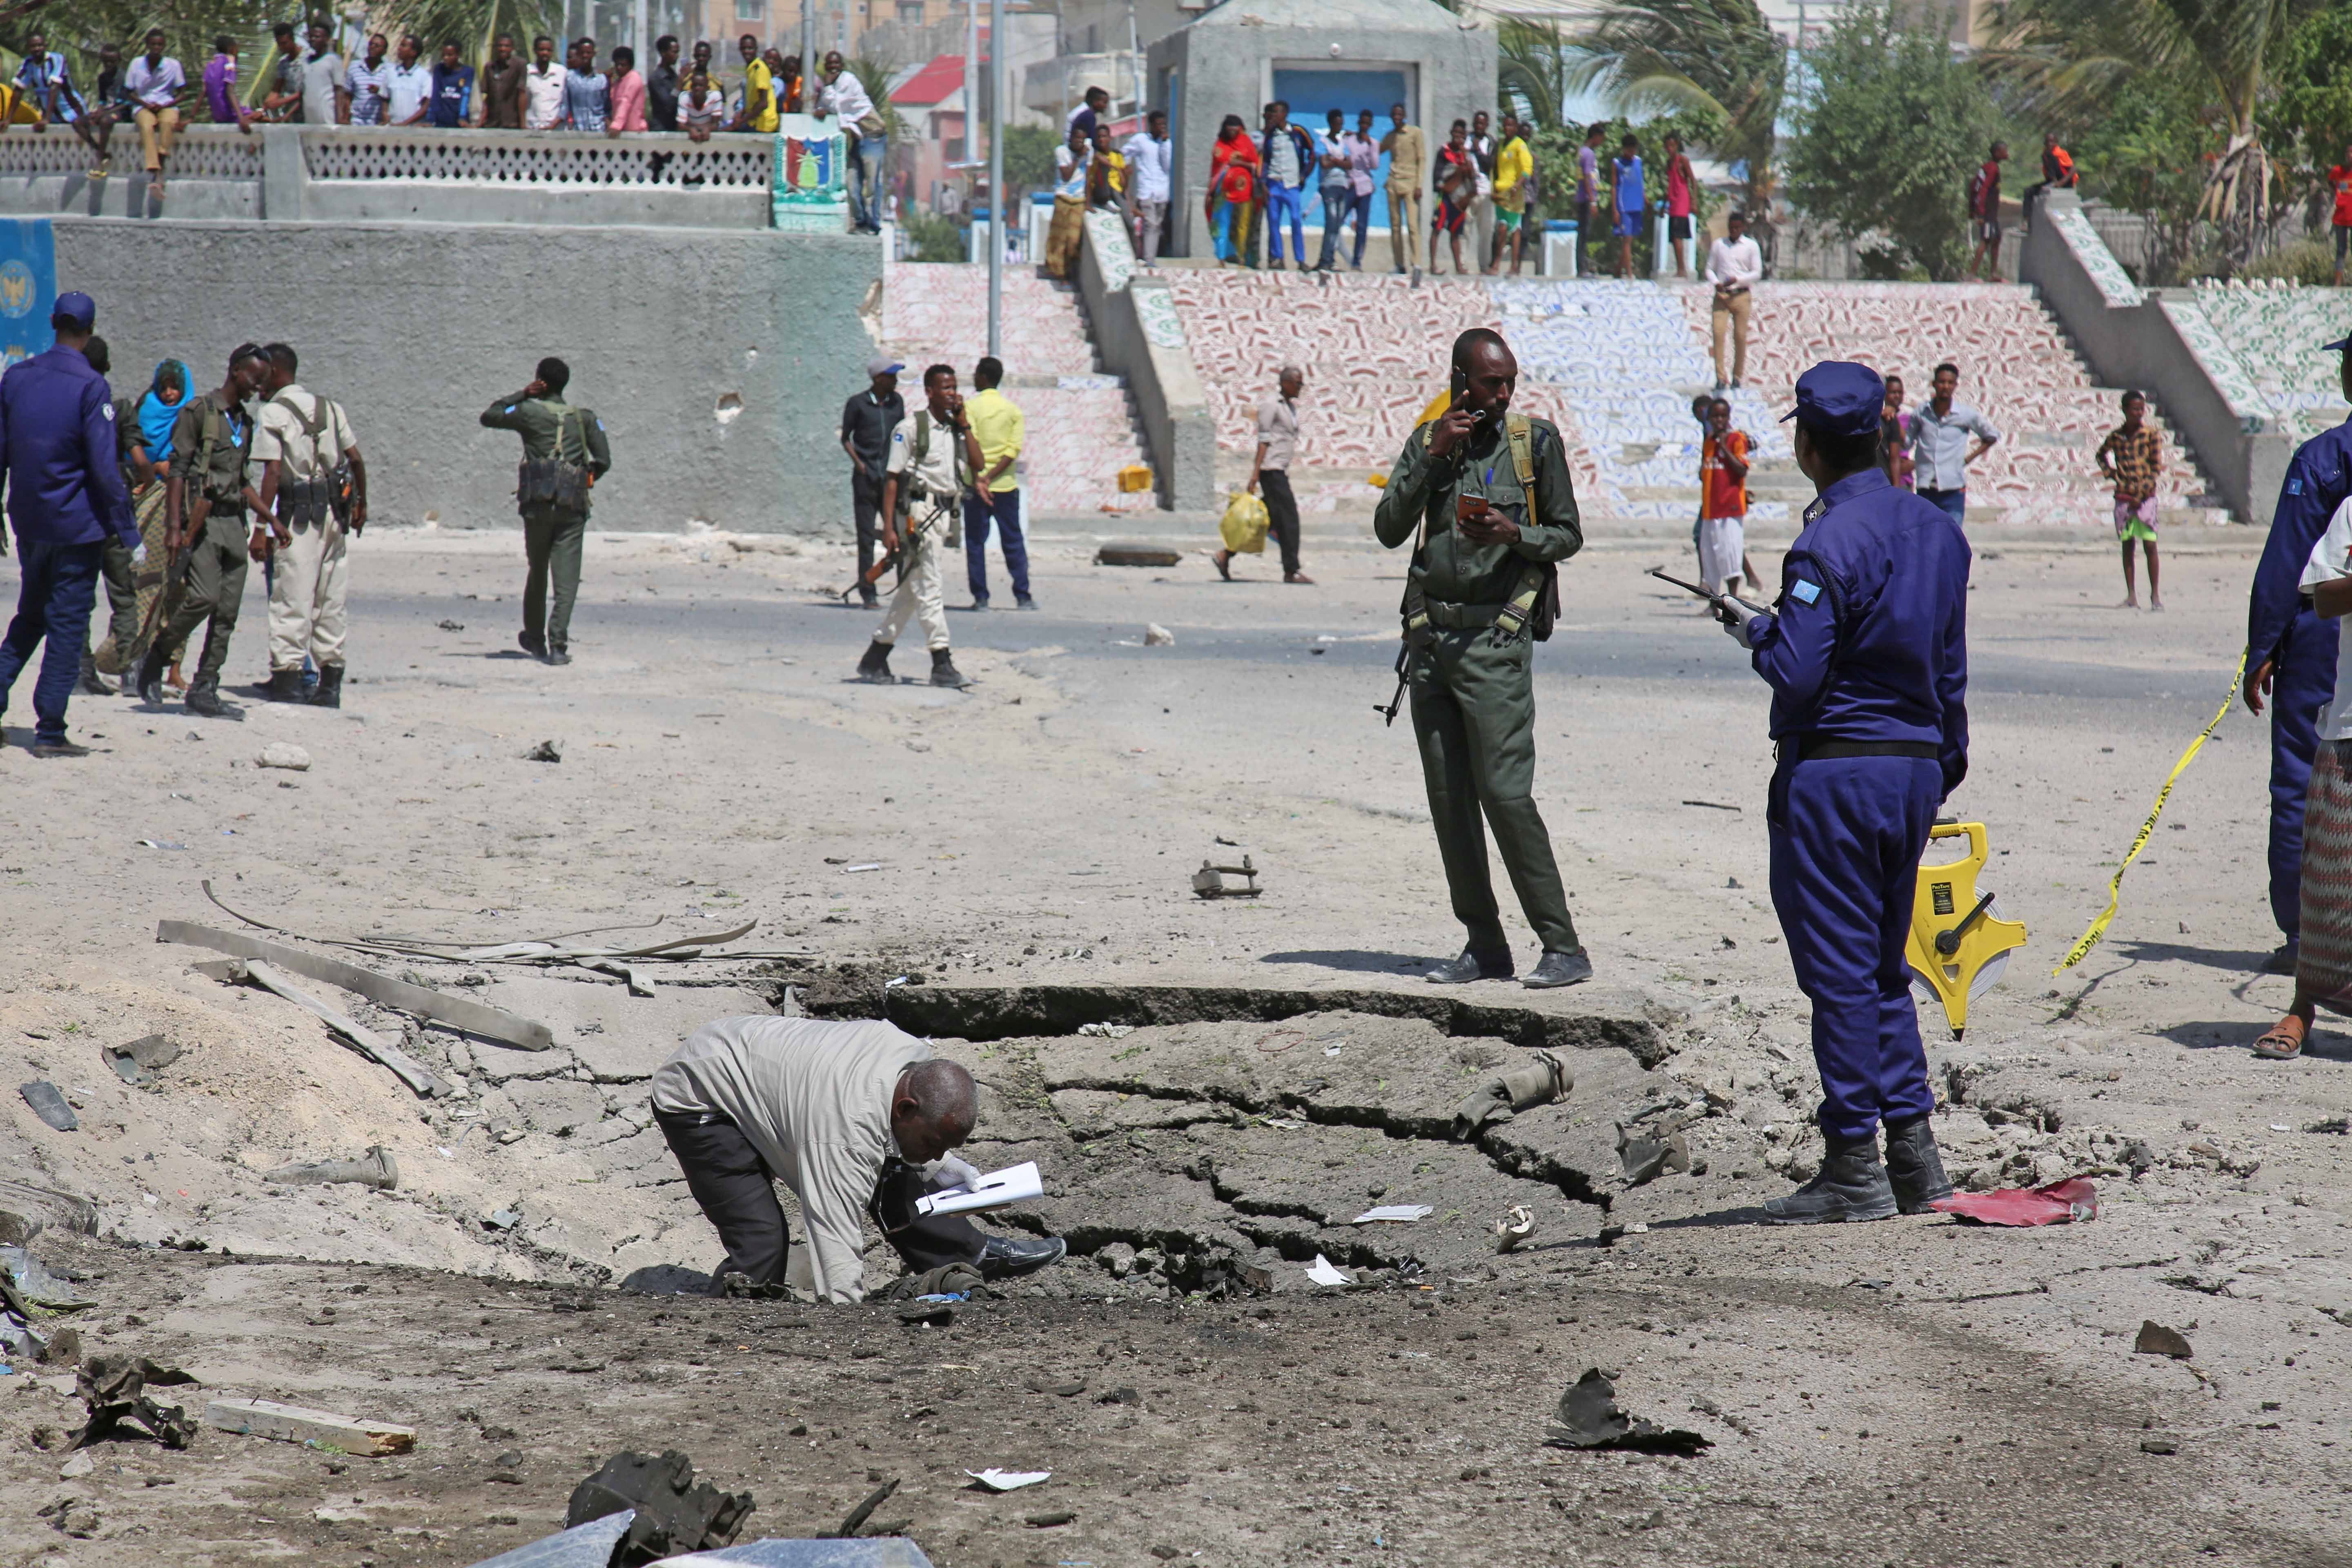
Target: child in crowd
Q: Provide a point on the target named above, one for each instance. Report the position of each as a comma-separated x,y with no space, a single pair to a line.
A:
1723,486
2132,457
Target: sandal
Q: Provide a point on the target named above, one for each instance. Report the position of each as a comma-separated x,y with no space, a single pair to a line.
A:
2283,1042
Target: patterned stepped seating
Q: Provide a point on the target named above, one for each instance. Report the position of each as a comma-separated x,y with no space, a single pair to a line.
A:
2275,329
1624,361
2014,365
1081,424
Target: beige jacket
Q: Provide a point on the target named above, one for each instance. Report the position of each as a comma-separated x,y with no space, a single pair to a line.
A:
813,1097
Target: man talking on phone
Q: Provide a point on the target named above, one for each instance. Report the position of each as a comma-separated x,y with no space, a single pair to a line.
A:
1483,495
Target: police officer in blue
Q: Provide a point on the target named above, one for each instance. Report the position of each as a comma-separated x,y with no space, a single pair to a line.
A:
2290,652
65,496
1866,654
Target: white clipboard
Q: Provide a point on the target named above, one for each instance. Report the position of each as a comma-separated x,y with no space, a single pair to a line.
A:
1015,1183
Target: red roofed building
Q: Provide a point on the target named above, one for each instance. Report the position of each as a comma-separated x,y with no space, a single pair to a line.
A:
930,100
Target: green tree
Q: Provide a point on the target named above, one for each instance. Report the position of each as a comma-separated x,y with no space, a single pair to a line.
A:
1531,69
472,25
1029,157
1711,59
1886,141
2147,155
2308,114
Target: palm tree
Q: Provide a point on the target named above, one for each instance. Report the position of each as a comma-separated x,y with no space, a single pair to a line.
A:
1533,67
472,25
2068,58
1711,56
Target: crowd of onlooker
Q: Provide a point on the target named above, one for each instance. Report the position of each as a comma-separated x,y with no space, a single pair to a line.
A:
396,83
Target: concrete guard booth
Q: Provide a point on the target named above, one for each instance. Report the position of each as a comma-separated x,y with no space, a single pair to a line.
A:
1316,54
706,295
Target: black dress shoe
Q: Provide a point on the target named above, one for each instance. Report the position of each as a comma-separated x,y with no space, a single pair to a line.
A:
1558,969
58,749
1471,965
1007,1257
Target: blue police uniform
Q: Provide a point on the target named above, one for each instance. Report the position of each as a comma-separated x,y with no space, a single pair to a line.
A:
2299,646
1866,654
65,496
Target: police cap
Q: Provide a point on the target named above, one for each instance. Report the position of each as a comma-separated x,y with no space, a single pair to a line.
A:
1837,398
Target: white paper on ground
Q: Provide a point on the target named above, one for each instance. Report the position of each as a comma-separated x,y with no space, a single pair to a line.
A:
1008,1480
1402,1213
1015,1183
1322,1272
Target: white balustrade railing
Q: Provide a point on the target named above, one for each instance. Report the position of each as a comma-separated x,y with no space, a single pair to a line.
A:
204,152
545,159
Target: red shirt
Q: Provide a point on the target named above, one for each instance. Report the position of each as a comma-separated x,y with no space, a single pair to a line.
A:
1233,169
1725,497
1678,187
2340,179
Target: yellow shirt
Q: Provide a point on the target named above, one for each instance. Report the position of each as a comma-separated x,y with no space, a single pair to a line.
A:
1513,165
757,79
998,426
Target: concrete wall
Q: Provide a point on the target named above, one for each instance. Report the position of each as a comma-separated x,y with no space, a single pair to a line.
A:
2161,344
1225,64
1136,332
719,361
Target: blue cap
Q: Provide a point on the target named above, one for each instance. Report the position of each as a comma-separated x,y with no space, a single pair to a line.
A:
76,306
1837,398
2338,343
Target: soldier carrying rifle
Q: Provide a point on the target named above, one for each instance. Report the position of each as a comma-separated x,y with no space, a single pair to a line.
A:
934,462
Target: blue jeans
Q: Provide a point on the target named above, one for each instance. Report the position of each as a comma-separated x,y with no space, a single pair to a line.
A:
866,183
1335,212
1360,209
59,587
1004,508
1955,503
1281,200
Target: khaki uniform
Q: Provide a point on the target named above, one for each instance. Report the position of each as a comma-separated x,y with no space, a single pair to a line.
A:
553,534
1472,687
1408,156
210,445
308,596
925,453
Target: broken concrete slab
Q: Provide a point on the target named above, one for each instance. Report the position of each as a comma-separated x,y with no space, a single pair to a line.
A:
557,1105
619,1037
1090,1113
1586,1019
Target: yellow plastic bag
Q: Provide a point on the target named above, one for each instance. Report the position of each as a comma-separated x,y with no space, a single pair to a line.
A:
1244,525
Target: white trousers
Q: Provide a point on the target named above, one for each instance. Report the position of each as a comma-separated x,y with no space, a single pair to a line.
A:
1722,540
918,597
307,603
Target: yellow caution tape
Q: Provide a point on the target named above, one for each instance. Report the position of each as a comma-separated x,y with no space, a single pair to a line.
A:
2090,939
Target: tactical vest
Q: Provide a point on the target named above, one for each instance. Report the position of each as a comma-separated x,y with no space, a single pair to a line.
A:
308,503
552,482
1534,604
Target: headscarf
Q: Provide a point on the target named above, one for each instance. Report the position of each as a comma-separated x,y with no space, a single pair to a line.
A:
156,416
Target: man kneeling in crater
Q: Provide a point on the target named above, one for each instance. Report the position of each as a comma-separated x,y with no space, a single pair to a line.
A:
856,1119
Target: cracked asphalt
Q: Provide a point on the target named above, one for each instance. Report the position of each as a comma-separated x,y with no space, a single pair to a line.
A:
1916,1393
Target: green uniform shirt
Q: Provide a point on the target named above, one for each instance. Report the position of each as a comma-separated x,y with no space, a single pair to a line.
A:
540,421
224,477
1452,570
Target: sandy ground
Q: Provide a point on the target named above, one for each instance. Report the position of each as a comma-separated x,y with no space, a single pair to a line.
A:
1912,1392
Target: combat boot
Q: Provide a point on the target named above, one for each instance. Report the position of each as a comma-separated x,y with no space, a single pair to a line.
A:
150,683
1471,965
1852,1185
204,696
284,686
1915,1168
875,668
943,670
91,683
331,686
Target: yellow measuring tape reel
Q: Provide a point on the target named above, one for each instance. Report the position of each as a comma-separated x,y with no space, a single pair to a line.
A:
1958,944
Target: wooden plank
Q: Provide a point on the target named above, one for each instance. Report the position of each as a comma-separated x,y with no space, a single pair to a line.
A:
316,1428
474,1018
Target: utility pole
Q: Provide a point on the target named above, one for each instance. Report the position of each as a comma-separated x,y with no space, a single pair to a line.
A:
998,218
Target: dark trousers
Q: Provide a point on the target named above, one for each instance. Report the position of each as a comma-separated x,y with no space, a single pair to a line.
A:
59,588
1360,211
1335,214
737,1194
121,595
1003,507
866,507
211,591
1281,514
1846,834
552,543
2303,682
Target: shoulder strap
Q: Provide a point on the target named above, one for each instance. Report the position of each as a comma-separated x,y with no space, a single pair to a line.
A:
312,422
568,421
1522,436
922,446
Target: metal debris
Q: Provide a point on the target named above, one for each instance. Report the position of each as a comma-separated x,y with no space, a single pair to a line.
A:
1209,882
49,1104
115,1387
672,1512
138,1062
375,1169
1590,1418
2155,1339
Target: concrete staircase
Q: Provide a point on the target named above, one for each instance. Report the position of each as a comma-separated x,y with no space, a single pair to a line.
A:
2275,329
1081,426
